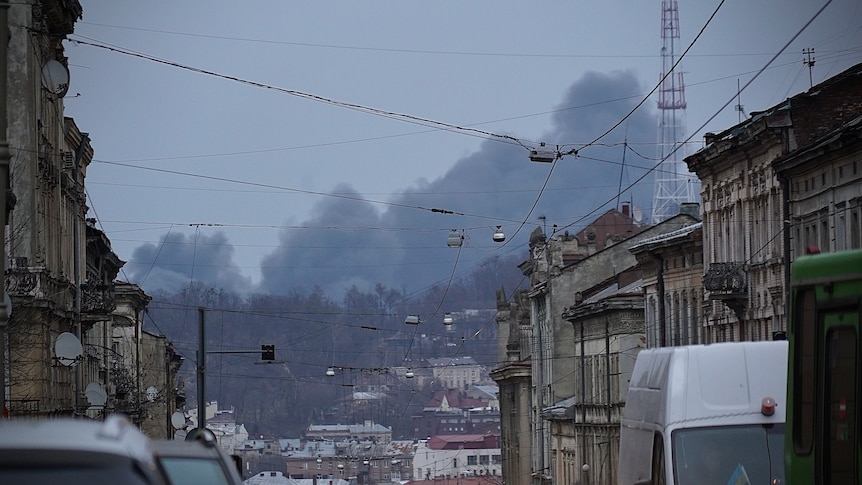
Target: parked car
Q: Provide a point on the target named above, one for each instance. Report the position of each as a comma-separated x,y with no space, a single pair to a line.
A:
76,452
196,461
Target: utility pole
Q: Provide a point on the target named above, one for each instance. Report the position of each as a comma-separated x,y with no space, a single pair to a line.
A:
809,61
267,356
202,358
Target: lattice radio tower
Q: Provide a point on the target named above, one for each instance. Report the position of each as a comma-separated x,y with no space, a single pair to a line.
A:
673,182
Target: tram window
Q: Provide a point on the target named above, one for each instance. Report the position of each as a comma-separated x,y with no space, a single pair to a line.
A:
839,433
804,385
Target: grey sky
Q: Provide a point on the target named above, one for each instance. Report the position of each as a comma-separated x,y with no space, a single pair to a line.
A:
227,168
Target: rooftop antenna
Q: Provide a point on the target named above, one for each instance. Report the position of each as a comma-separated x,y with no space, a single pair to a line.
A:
739,106
809,61
622,167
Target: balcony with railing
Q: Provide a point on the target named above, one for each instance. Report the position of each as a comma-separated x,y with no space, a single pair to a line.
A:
728,283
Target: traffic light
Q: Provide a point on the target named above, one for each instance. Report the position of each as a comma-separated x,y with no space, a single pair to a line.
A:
267,352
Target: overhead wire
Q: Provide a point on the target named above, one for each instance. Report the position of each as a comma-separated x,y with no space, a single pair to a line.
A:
314,97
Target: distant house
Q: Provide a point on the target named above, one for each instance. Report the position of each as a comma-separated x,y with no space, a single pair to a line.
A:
368,431
456,372
448,456
455,412
486,392
364,461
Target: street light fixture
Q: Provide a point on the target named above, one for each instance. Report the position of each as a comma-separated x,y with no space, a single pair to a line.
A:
499,236
448,319
412,320
455,240
330,372
543,154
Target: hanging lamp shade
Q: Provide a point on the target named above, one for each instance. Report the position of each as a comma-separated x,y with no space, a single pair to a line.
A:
454,240
498,235
447,319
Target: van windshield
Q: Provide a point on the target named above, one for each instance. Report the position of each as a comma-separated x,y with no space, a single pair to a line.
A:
729,454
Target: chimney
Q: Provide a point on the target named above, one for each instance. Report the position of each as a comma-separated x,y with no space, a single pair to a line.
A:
690,209
626,209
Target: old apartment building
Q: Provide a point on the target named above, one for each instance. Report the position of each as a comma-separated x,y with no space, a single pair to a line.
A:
60,352
782,180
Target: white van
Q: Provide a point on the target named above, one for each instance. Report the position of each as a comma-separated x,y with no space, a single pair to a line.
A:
704,414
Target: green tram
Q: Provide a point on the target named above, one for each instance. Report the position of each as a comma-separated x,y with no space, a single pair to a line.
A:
824,370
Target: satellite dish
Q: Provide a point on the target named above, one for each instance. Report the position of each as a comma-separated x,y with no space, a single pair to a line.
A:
96,394
152,393
68,349
55,78
180,434
178,420
637,214
8,302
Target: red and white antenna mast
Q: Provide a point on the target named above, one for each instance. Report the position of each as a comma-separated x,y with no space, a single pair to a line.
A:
674,184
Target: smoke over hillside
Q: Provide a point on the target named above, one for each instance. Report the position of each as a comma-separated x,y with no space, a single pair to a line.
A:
347,240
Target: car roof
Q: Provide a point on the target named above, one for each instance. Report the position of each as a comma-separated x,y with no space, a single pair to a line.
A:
73,441
114,436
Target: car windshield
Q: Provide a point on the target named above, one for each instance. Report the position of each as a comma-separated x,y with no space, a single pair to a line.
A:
194,471
729,454
70,475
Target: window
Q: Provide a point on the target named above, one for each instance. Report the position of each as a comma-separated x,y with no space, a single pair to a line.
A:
720,453
484,460
824,235
194,470
840,229
855,239
803,372
841,388
471,460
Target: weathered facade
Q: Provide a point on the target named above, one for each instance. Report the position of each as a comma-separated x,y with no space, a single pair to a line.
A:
822,184
46,228
144,366
748,235
671,267
585,428
60,352
513,377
